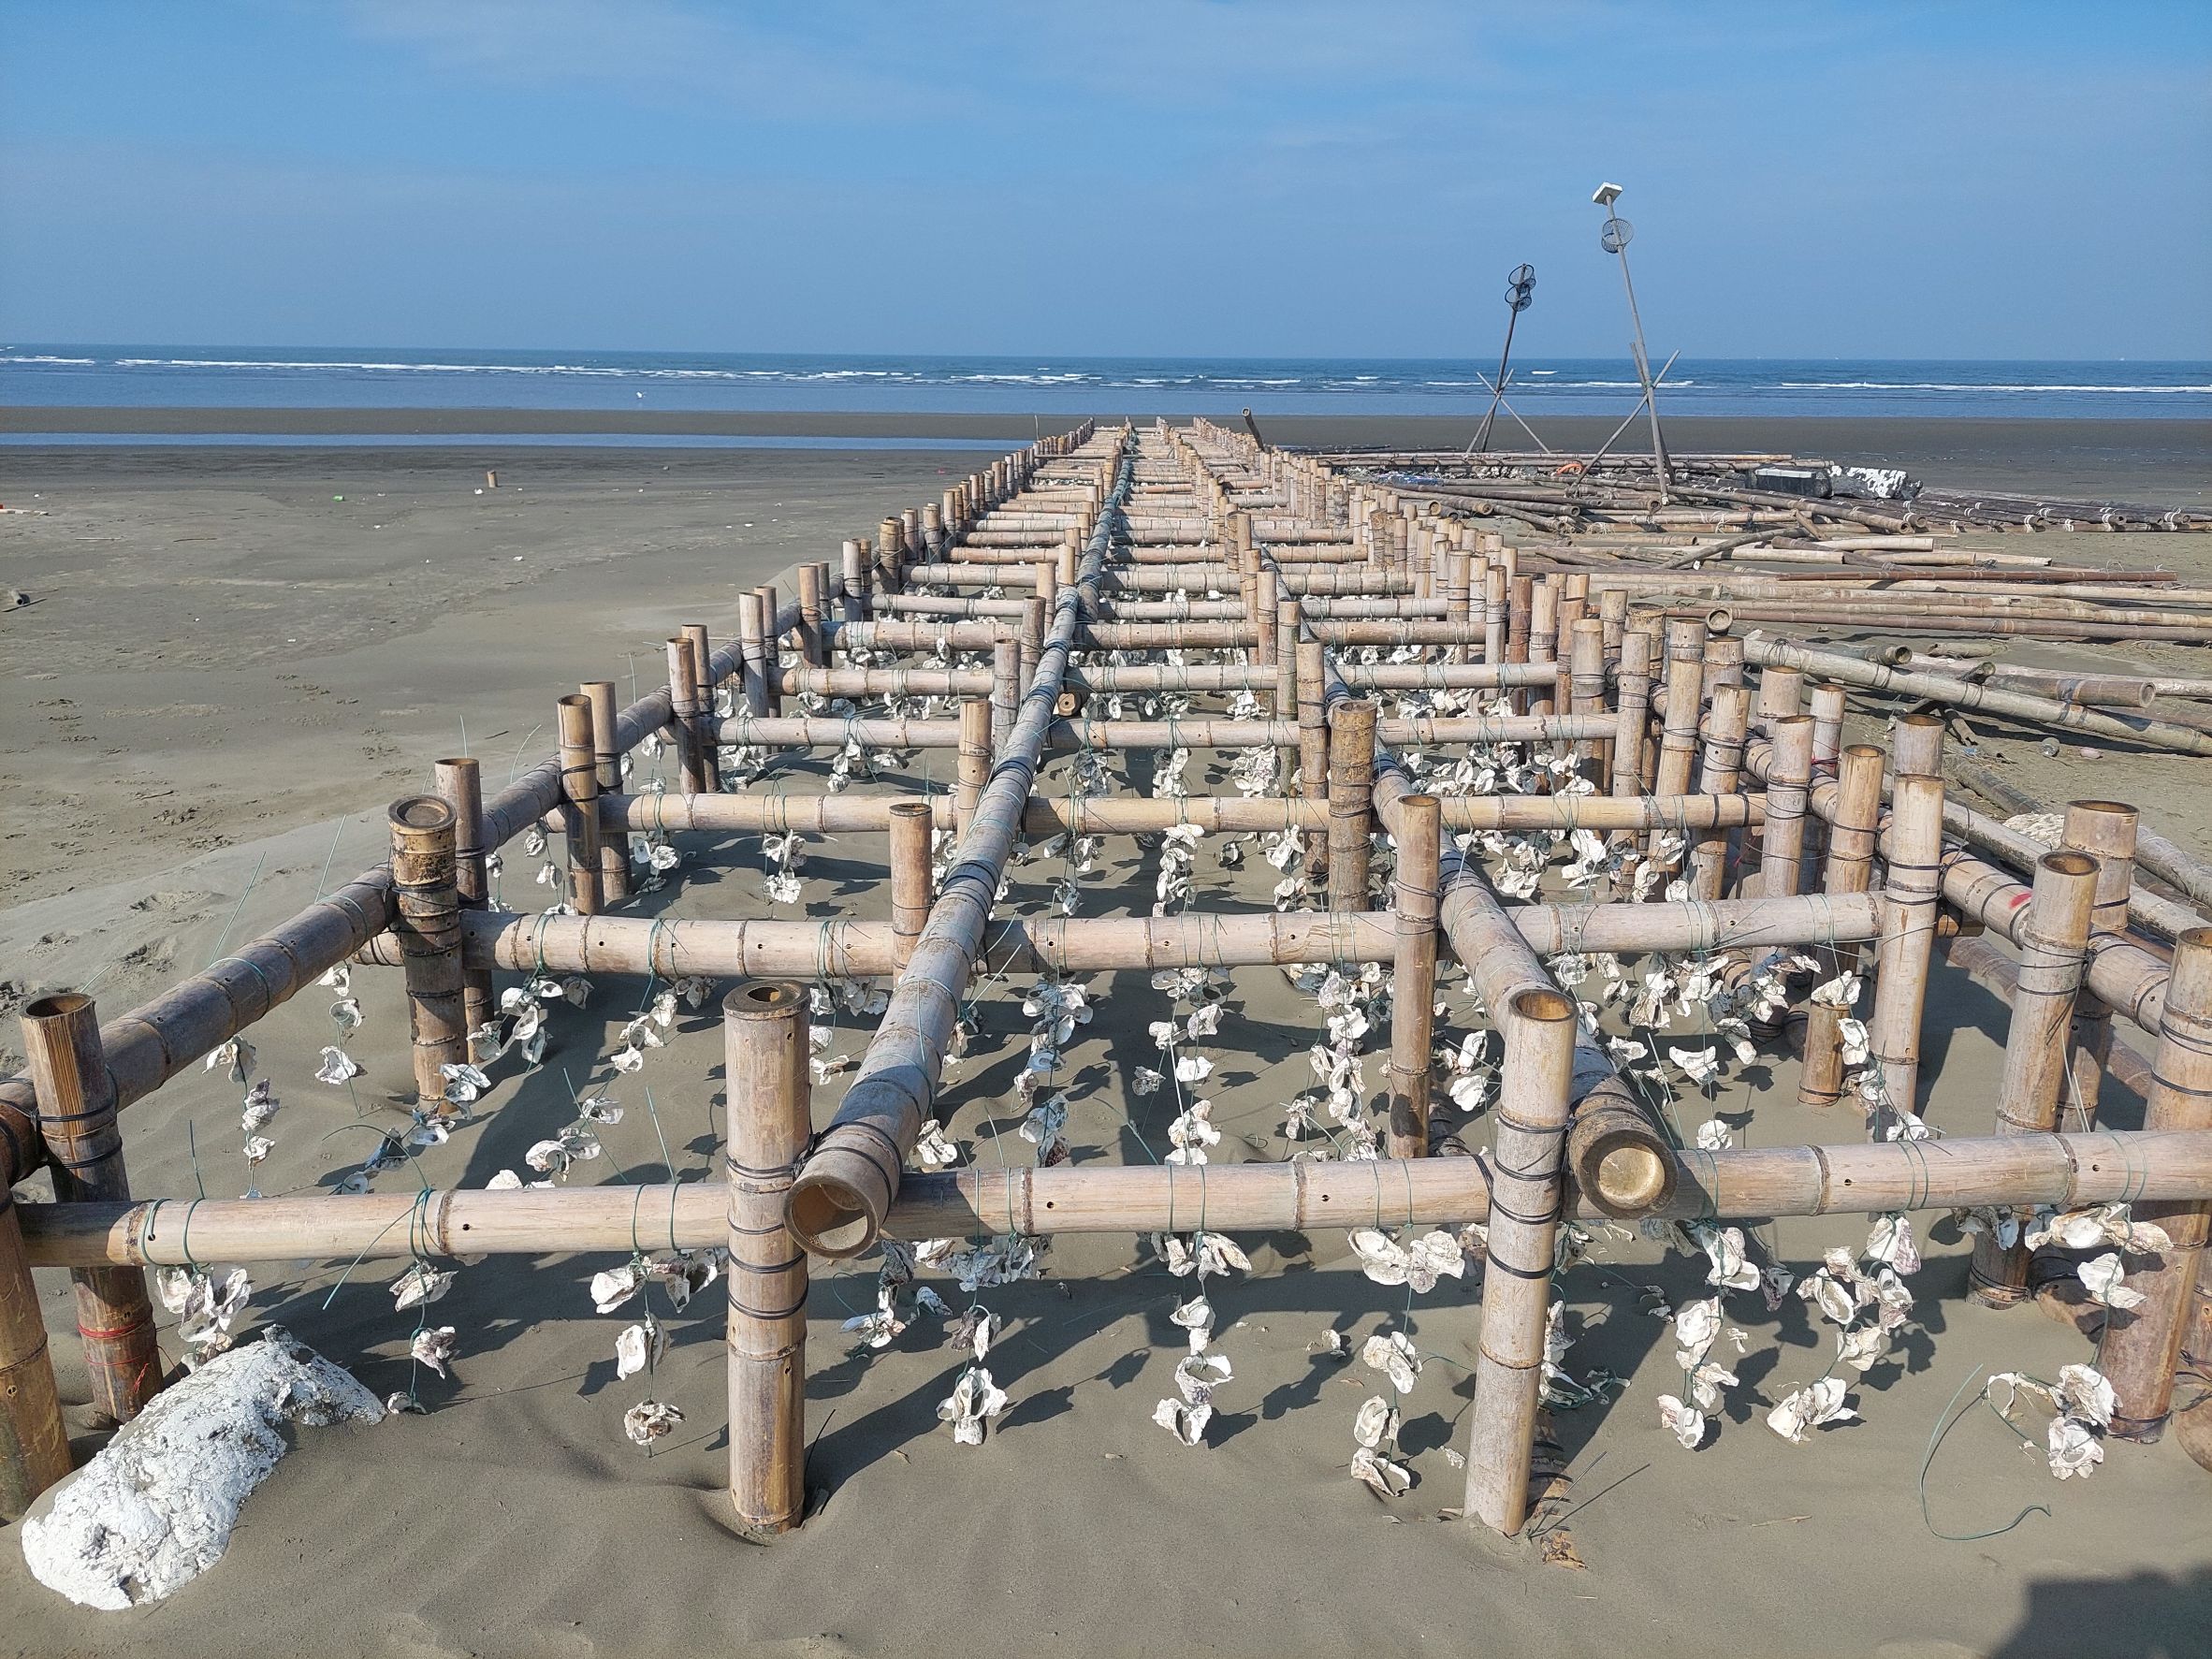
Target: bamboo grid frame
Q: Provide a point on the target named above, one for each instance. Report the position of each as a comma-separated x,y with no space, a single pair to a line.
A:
1636,669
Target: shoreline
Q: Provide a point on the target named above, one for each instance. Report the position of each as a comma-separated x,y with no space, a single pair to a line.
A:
2168,461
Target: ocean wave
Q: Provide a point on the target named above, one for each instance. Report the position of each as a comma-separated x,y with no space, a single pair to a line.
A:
35,359
1977,386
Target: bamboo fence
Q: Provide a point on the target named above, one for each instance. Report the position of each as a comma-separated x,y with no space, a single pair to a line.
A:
1360,609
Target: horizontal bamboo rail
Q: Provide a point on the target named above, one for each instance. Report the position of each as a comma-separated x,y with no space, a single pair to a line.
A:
773,948
2065,1171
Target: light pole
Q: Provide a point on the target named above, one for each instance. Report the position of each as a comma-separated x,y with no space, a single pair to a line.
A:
1521,293
1614,238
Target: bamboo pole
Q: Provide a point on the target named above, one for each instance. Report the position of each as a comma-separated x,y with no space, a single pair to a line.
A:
853,584
614,852
1913,851
34,1441
458,784
683,714
912,825
840,1197
1723,760
2065,1172
2107,831
1782,844
1351,788
765,1045
1634,693
579,785
1412,976
975,758
1619,1156
810,615
1313,744
754,651
77,1112
427,925
1527,1205
2138,1351
1684,692
1006,690
1858,795
2053,938
2020,706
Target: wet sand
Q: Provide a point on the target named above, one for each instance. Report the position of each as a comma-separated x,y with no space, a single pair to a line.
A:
227,675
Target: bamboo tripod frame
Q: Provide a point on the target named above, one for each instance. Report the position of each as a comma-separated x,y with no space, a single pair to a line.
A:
1109,561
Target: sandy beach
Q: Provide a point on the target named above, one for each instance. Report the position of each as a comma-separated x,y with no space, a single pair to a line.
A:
237,657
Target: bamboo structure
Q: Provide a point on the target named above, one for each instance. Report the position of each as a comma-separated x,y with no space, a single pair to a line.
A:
2054,937
77,1112
427,922
1525,1212
764,1034
2140,1351
1422,683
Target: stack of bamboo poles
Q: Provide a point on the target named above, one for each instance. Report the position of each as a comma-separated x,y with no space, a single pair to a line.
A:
1104,563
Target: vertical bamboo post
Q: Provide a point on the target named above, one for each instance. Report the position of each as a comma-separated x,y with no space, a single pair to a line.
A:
1313,745
1543,638
1006,690
1913,850
1684,690
34,1441
2053,938
853,583
2192,1416
975,757
1070,558
911,822
1351,794
1525,1201
771,656
614,849
1723,762
1415,892
1266,602
1032,641
1586,660
769,1116
890,540
683,715
1825,703
1634,692
1789,777
427,923
2107,831
1046,575
1612,611
810,615
579,789
2139,1348
752,652
1849,869
77,1106
460,785
1496,612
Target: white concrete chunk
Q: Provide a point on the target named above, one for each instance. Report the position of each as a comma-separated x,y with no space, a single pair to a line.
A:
155,1509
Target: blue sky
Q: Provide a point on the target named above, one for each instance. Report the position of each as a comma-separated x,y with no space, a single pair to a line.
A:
1146,175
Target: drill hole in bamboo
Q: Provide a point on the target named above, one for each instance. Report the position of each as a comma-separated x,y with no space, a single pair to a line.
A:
60,1005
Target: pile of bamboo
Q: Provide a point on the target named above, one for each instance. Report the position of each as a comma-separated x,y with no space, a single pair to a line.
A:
1196,563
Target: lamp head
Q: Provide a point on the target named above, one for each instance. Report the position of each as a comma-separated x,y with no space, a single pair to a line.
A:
1606,195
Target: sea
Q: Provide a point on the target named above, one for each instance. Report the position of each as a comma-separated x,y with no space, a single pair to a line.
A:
145,377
